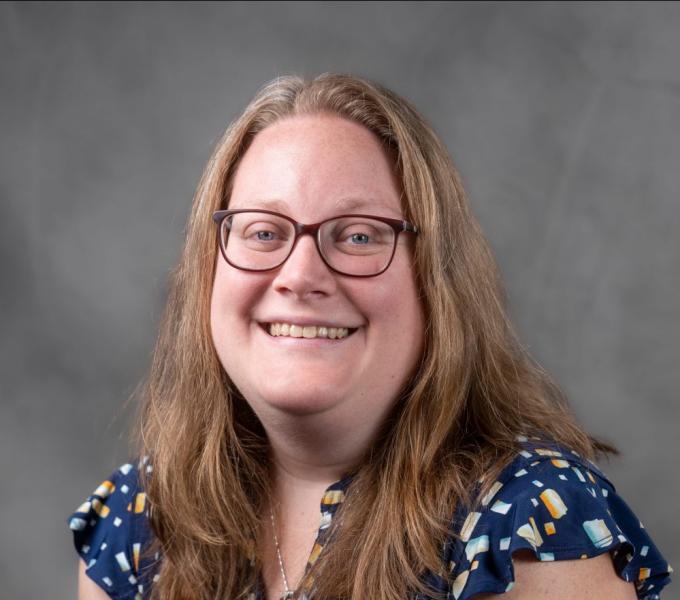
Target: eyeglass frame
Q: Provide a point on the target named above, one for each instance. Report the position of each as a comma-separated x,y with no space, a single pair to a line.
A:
398,225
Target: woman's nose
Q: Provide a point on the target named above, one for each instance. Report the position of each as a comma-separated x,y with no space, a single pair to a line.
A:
304,273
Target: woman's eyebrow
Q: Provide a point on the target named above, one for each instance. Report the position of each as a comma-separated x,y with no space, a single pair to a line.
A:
345,205
359,203
273,204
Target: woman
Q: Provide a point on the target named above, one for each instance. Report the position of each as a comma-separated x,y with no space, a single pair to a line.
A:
344,338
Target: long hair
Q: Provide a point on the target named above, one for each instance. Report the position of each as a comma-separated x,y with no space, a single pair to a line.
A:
475,390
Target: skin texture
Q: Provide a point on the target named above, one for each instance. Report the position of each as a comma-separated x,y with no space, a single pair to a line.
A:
591,579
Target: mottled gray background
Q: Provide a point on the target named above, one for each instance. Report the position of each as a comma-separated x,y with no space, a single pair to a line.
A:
564,119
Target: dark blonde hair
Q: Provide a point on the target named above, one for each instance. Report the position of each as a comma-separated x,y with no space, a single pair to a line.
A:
475,390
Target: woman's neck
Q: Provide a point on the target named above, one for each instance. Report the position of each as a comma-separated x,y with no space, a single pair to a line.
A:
303,472
307,454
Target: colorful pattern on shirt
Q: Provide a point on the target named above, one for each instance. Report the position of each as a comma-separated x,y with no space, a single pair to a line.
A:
557,505
549,500
109,531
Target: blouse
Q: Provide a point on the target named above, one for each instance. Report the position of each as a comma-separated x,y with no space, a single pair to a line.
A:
548,500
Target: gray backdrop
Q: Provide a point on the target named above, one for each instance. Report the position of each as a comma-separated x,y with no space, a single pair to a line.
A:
563,119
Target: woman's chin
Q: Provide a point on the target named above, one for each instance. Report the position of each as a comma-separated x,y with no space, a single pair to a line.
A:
300,403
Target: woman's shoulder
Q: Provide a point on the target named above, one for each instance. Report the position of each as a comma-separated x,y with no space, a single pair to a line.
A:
111,530
557,505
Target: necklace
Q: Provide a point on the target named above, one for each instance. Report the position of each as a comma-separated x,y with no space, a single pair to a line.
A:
287,592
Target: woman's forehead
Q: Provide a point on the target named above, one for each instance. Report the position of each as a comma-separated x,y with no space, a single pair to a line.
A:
314,167
327,148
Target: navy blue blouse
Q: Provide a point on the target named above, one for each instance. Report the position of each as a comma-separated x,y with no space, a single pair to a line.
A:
549,500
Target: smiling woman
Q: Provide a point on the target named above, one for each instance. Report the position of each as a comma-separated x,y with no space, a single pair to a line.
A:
336,335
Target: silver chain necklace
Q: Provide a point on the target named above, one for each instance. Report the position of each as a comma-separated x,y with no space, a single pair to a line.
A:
288,594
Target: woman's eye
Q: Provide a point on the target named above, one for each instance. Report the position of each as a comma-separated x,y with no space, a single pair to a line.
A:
359,238
264,236
254,234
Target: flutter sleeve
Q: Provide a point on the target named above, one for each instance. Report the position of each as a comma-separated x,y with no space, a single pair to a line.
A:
559,507
109,530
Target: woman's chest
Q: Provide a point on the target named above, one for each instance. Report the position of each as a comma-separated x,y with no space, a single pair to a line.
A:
287,549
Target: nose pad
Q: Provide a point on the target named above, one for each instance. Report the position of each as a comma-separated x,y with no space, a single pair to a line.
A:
310,250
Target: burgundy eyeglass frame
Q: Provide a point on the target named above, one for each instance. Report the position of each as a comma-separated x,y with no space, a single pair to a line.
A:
313,229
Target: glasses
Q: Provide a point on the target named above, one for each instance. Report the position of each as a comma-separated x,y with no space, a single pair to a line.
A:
355,245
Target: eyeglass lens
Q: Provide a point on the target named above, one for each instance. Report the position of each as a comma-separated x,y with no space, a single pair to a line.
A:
352,245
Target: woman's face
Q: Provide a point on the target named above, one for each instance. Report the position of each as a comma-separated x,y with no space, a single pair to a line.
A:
308,168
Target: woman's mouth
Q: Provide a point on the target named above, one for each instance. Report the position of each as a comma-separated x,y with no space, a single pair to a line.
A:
306,331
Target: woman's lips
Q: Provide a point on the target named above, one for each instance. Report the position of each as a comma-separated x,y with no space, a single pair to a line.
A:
307,331
310,341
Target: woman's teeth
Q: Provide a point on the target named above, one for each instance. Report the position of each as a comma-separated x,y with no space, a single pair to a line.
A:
308,331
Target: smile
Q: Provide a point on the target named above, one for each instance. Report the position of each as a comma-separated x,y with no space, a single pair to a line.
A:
307,331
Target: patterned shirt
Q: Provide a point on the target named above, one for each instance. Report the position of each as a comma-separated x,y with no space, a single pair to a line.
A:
548,500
